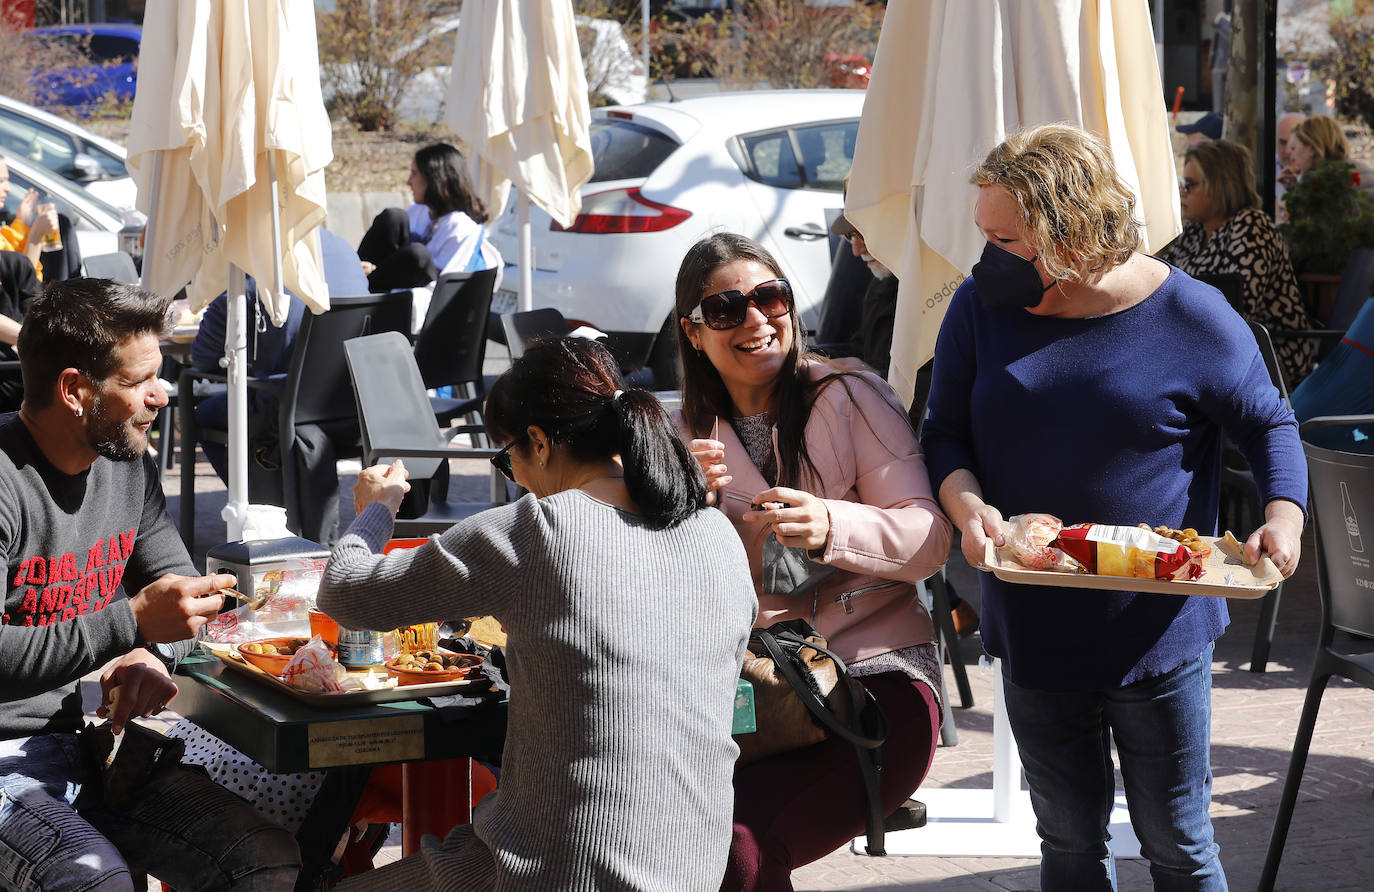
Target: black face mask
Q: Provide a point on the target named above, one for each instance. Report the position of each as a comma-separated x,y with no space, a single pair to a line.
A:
1008,281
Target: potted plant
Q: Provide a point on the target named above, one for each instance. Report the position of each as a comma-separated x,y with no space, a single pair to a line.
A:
1329,216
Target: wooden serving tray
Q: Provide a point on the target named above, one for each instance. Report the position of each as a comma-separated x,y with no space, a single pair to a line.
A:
1225,575
472,685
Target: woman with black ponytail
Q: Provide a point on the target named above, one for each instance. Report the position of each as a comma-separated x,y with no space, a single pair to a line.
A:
618,760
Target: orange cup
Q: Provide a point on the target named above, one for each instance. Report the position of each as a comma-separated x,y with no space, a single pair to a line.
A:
321,624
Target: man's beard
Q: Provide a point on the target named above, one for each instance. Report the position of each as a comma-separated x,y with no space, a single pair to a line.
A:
115,440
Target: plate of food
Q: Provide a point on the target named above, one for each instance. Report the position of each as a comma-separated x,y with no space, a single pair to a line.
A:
1041,550
363,686
430,666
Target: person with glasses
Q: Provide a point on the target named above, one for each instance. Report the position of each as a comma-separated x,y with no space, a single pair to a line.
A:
1227,231
628,606
1079,377
820,459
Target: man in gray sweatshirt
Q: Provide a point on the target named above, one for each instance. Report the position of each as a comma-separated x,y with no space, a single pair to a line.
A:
82,524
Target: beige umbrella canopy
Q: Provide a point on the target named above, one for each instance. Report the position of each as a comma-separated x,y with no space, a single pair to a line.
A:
229,90
228,144
518,100
952,79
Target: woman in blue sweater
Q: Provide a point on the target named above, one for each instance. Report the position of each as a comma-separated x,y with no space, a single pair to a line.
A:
1077,376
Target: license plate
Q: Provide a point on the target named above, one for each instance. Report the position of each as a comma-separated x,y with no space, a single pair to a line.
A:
503,301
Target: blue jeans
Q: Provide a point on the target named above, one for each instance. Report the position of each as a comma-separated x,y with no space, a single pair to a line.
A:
1162,728
184,828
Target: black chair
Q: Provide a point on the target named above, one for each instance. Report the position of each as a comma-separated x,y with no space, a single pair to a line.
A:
1341,485
118,266
528,326
1231,286
452,343
396,421
316,391
1242,512
1357,283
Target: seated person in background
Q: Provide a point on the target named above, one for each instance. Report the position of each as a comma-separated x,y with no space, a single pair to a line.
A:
1227,231
1204,129
31,223
602,787
442,231
18,287
1317,139
82,523
269,346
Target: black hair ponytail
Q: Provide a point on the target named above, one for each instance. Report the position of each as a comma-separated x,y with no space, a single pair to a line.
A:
572,389
662,477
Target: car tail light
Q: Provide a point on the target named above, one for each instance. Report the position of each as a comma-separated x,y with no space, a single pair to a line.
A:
623,210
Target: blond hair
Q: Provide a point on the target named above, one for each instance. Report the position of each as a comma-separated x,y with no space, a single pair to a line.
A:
1323,135
1227,174
1078,214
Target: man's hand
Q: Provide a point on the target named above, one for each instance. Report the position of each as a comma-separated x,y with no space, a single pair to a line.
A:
175,607
136,684
44,222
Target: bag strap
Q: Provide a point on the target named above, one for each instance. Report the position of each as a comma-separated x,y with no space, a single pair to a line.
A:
866,711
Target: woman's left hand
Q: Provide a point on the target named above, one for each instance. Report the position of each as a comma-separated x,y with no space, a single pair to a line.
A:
1280,537
799,518
381,483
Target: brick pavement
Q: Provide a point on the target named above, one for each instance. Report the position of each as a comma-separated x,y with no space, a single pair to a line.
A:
1330,846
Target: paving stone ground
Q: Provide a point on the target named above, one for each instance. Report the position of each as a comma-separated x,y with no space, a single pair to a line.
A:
1331,843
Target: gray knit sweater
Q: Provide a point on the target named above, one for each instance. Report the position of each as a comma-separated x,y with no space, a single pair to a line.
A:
625,646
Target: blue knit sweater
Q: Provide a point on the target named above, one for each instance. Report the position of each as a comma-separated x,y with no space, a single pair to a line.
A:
1116,419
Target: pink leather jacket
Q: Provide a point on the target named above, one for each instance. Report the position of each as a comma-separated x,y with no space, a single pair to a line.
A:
886,530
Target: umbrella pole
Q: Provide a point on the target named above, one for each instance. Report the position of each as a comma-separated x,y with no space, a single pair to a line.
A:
522,210
235,364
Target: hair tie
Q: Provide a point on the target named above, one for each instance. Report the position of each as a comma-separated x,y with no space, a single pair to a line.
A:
615,397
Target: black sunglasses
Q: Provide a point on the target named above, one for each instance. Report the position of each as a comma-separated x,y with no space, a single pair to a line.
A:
501,460
727,309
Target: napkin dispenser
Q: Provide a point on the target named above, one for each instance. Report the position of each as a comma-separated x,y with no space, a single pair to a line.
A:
285,572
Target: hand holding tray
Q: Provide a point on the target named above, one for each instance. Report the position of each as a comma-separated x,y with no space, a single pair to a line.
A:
1225,574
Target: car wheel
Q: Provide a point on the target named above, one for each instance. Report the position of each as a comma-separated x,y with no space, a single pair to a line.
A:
663,359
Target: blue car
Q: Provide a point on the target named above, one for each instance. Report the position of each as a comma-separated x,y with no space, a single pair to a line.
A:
111,69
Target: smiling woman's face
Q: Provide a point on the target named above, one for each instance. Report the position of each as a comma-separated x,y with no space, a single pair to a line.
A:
750,356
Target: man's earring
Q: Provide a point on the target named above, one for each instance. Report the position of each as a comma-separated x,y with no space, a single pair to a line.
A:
79,411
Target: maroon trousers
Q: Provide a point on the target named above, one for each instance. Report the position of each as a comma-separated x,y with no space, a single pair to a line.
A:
796,807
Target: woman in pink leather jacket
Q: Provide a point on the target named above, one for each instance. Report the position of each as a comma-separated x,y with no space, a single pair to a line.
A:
823,458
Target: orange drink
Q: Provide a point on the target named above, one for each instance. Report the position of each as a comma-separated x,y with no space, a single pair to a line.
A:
321,624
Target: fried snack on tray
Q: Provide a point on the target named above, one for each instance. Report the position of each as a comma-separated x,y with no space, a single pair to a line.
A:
487,630
1135,552
1028,538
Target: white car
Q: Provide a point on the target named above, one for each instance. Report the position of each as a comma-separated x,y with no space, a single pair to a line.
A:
68,150
99,226
766,164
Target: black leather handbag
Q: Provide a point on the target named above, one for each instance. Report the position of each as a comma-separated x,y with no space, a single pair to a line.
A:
802,695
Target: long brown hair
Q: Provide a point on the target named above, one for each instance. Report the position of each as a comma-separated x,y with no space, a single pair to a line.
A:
704,396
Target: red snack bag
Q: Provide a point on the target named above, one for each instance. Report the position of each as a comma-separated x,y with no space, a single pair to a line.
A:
1133,552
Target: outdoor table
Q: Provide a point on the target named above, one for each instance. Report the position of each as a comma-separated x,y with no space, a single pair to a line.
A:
285,735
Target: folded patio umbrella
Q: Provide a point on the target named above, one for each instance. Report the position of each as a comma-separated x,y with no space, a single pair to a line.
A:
518,100
228,126
230,88
952,79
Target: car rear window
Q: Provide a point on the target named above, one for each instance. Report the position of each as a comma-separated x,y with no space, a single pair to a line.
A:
110,48
624,150
814,156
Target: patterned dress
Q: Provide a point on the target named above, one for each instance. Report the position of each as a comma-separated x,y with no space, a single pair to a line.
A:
1249,244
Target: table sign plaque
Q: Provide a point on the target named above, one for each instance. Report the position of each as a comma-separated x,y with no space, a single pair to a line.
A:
367,741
